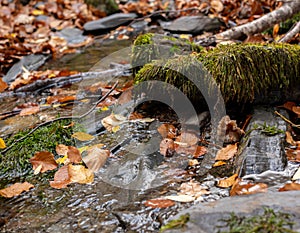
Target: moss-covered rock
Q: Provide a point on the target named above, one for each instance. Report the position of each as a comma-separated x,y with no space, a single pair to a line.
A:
243,72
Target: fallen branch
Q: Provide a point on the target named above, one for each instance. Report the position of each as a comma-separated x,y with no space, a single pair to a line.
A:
287,120
61,118
288,36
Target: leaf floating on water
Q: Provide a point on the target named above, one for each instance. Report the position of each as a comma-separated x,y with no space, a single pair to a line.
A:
2,144
227,153
159,203
181,198
15,189
96,158
74,155
61,178
44,158
228,182
81,136
290,187
80,174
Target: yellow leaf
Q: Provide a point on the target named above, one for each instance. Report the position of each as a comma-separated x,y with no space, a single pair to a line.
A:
62,160
37,12
115,128
81,136
2,144
104,108
219,163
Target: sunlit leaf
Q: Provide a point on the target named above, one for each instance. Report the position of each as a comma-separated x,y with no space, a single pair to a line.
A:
80,174
44,158
193,189
81,136
15,189
63,160
193,162
181,198
217,5
159,203
112,121
96,158
227,153
228,182
2,144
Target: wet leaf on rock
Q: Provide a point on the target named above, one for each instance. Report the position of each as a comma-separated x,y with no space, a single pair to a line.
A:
96,158
74,155
241,187
61,178
80,174
81,136
193,189
45,159
227,153
289,138
290,187
159,203
219,163
228,182
15,189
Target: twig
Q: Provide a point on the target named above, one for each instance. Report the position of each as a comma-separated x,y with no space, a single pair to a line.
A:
61,118
291,33
287,120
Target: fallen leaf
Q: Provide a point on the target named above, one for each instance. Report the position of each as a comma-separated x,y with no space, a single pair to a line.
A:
181,198
61,178
219,163
290,187
30,111
74,155
60,99
63,160
111,121
80,174
159,203
289,105
166,147
296,176
245,188
2,144
227,153
228,182
193,189
289,138
293,155
193,162
3,85
87,148
167,131
96,158
217,5
61,149
200,151
81,136
187,139
15,189
44,158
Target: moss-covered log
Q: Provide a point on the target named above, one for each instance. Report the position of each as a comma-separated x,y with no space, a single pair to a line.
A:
243,72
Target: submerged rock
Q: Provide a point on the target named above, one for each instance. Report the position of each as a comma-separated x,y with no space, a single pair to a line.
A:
194,25
108,23
263,151
72,35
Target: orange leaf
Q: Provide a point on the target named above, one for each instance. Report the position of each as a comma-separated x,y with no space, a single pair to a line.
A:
293,154
167,130
200,150
245,188
61,178
15,189
159,203
74,154
289,105
290,187
80,174
225,183
166,147
289,138
227,153
61,149
60,99
296,110
3,85
44,158
30,111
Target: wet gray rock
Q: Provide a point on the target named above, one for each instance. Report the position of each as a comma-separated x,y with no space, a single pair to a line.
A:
263,152
108,23
30,62
206,217
72,35
194,25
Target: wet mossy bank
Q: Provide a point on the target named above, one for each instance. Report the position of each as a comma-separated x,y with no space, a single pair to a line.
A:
244,73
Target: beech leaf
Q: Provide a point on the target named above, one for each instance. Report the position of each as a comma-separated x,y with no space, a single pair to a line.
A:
45,159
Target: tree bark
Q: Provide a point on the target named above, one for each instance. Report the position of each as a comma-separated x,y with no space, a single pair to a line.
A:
281,14
291,33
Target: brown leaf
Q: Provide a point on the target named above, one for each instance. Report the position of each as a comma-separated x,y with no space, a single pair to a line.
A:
245,188
293,155
60,99
15,189
228,182
80,174
30,111
159,203
296,110
61,178
61,149
96,158
188,139
167,131
217,5
44,158
289,138
289,105
227,153
290,187
74,154
200,151
3,85
166,147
